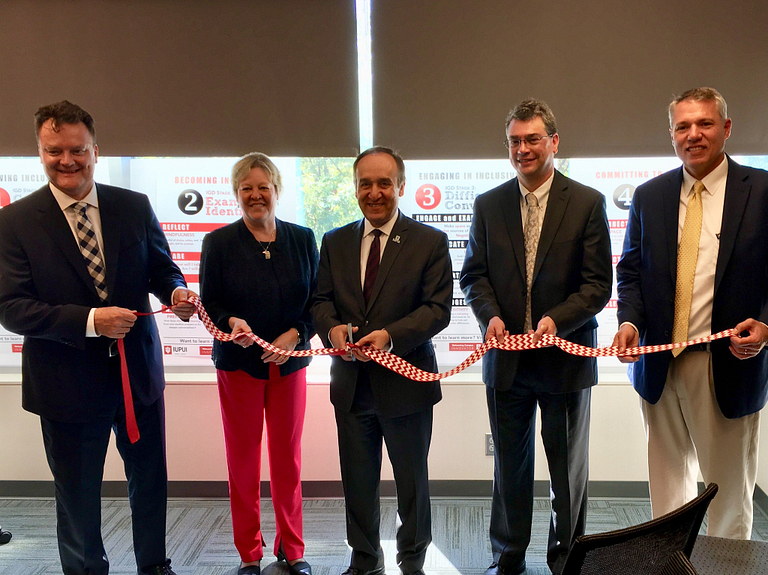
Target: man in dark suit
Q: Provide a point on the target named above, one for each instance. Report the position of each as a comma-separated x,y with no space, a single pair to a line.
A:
695,262
538,257
389,277
78,260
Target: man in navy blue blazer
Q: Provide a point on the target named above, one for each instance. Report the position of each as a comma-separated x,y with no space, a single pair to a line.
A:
78,260
700,408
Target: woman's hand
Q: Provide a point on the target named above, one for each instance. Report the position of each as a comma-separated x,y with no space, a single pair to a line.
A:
287,341
239,328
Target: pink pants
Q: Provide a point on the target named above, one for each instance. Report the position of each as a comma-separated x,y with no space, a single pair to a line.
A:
245,403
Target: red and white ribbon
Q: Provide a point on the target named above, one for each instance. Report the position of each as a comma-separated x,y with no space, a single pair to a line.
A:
517,342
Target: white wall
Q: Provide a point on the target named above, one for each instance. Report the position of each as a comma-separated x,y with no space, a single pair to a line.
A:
196,448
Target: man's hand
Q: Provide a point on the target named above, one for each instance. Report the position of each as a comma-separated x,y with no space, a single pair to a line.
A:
288,341
113,322
496,329
183,311
627,337
378,339
338,337
239,328
546,325
752,344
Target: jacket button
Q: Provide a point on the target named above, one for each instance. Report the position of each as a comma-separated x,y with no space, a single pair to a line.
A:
666,334
366,323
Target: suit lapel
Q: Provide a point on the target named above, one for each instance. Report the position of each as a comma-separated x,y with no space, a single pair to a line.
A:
396,240
55,224
670,212
736,195
110,235
513,219
556,204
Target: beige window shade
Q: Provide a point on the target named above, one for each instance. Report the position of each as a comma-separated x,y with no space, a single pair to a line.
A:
185,78
446,72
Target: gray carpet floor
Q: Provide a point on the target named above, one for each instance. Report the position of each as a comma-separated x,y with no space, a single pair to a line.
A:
200,535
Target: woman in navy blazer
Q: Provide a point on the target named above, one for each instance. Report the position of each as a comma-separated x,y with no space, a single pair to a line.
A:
258,274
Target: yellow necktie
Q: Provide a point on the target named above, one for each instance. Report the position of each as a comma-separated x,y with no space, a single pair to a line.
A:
687,254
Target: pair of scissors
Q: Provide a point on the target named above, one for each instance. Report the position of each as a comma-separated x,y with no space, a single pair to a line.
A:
349,337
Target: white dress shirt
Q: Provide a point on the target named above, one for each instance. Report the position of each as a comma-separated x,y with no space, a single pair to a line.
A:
712,203
365,245
542,194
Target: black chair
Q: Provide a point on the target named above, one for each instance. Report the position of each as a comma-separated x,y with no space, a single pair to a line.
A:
5,536
642,549
678,564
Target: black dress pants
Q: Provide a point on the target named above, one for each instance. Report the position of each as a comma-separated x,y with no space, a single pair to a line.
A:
360,434
76,454
565,433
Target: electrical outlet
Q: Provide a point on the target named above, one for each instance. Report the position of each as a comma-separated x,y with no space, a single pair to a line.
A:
488,444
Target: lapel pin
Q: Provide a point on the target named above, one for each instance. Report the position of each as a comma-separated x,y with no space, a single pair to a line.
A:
396,239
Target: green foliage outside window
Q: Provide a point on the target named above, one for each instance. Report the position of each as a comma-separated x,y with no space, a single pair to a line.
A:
329,194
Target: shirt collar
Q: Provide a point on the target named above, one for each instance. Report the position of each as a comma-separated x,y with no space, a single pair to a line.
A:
539,192
713,181
65,201
386,229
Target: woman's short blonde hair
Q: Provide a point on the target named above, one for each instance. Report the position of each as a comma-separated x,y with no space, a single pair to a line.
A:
244,165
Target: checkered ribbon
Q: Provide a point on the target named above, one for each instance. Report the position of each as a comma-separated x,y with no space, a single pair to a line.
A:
517,342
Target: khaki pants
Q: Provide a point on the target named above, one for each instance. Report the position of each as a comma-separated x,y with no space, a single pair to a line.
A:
687,432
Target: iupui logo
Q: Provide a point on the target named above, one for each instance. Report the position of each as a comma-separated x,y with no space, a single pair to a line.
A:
167,350
5,198
16,347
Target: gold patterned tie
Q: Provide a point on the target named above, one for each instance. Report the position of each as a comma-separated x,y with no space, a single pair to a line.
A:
531,245
687,254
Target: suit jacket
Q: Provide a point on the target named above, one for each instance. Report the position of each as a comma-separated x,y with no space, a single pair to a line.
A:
271,295
411,299
571,281
46,294
647,273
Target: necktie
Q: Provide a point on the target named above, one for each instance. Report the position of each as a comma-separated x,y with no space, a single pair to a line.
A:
532,228
372,265
687,254
89,247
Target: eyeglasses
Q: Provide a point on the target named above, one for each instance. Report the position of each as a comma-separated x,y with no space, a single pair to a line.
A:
530,141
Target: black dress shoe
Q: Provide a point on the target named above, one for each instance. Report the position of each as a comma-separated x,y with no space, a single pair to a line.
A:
496,569
354,571
162,569
419,572
300,568
249,570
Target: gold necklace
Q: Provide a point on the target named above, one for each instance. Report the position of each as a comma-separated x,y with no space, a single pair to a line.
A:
265,251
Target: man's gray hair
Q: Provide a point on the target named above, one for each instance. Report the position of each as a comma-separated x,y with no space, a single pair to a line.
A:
698,95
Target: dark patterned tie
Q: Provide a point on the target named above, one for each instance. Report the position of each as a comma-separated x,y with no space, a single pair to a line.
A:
372,266
531,245
89,247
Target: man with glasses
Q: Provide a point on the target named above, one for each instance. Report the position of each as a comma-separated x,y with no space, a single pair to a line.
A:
538,260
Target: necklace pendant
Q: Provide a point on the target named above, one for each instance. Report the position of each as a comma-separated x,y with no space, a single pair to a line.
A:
267,255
